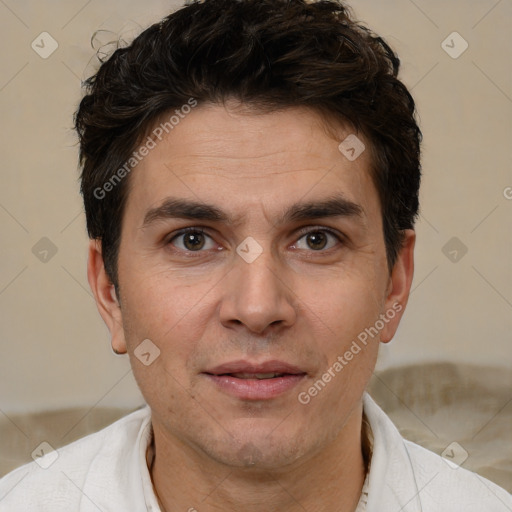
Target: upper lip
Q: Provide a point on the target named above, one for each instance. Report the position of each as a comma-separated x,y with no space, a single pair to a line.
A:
249,367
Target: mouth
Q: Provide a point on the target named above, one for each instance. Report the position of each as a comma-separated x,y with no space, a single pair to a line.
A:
248,381
259,376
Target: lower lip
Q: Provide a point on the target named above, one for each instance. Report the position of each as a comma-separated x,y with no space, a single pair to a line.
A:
256,389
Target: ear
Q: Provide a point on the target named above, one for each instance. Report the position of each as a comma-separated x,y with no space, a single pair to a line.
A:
399,287
105,295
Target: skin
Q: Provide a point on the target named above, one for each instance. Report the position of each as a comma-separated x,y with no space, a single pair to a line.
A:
295,303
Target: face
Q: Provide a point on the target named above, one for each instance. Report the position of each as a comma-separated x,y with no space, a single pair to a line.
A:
252,257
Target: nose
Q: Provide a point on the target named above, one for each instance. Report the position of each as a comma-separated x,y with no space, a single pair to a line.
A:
258,296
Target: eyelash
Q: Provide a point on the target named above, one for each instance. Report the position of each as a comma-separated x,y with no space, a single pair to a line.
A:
302,233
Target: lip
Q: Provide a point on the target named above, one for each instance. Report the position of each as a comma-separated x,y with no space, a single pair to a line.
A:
242,366
255,389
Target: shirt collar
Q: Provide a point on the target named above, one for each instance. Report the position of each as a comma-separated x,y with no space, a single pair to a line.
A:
390,483
146,456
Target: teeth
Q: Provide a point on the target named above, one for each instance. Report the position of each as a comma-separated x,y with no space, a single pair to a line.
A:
256,375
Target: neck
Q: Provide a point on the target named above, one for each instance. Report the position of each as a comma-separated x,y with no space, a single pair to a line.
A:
329,480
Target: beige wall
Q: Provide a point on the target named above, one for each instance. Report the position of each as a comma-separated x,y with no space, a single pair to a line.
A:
55,348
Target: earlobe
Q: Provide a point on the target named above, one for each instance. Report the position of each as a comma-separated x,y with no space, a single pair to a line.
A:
399,286
105,295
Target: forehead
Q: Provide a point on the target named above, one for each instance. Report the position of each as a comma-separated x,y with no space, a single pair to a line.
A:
248,162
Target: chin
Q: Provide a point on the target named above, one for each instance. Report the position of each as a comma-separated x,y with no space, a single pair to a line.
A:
258,448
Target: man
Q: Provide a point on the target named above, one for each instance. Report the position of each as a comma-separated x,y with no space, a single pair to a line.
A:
250,178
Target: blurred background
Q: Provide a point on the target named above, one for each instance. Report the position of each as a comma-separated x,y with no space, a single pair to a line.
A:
453,348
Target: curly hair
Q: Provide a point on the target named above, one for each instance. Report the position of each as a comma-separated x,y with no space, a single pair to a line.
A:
269,55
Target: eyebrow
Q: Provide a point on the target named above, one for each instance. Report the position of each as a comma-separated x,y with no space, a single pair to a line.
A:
174,208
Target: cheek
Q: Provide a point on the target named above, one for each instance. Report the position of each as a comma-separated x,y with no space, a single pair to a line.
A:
342,313
160,302
173,329
344,305
169,316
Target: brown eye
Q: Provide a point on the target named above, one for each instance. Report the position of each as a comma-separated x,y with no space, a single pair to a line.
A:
192,240
318,240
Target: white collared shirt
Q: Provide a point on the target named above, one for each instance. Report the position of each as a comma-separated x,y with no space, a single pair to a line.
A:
107,472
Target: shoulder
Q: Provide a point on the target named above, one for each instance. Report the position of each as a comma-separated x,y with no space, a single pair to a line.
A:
405,476
447,486
56,480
